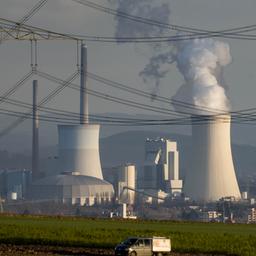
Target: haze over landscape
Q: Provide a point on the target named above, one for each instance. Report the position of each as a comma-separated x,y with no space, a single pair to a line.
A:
127,127
127,60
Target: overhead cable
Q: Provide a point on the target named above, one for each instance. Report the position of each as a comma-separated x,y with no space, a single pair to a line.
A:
44,101
24,19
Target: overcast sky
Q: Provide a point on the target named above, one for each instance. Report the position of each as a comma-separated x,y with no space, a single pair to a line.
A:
123,62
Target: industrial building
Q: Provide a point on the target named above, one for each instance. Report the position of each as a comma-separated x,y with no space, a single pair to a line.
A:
252,216
153,196
210,216
126,184
211,173
79,178
14,184
124,180
73,188
161,167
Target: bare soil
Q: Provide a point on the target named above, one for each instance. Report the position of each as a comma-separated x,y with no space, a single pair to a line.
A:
29,250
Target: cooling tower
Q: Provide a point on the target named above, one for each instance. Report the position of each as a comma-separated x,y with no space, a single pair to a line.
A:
211,174
79,149
79,144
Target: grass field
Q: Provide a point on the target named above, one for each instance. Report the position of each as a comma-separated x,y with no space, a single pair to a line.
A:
234,239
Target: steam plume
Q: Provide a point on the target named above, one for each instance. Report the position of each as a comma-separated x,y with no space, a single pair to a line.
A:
201,63
157,10
153,10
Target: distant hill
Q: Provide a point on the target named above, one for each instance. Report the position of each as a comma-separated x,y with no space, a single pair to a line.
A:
129,147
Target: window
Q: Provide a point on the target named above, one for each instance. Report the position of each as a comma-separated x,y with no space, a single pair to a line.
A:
147,242
130,241
140,242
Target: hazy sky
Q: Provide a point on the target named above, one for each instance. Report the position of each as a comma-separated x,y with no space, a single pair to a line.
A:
123,62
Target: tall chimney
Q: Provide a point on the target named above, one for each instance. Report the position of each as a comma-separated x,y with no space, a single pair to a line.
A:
35,139
84,113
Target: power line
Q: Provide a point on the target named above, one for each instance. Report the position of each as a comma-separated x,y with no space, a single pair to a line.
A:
64,113
15,87
33,11
23,20
27,32
74,121
76,116
44,101
159,98
68,118
236,114
112,98
192,31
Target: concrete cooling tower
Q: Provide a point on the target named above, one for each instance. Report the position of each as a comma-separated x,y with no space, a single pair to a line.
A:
79,149
211,174
79,178
79,144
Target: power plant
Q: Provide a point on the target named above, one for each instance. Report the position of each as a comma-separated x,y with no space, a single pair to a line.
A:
211,174
138,166
79,180
161,167
126,184
76,177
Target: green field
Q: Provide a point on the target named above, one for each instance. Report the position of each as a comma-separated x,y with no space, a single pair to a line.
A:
234,239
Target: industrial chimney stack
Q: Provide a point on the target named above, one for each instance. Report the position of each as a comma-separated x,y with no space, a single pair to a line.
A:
79,144
35,139
84,112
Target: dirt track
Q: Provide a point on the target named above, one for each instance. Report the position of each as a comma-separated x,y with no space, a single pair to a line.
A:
29,250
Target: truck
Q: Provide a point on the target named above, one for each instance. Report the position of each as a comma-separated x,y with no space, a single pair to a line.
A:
144,246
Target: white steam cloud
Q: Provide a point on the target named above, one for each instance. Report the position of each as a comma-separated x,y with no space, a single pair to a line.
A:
201,63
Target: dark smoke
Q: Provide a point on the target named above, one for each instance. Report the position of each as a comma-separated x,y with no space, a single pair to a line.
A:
149,9
156,68
157,10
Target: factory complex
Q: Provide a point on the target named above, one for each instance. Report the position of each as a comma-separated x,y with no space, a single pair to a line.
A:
78,178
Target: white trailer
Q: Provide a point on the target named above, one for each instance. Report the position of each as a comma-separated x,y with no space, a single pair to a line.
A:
161,245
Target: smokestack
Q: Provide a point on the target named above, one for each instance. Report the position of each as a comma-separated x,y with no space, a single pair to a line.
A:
79,144
211,174
35,139
84,112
